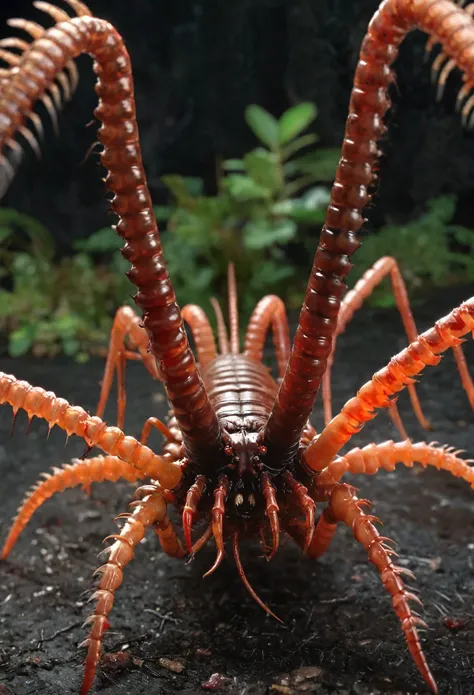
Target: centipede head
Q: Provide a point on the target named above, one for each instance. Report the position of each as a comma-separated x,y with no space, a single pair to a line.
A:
245,454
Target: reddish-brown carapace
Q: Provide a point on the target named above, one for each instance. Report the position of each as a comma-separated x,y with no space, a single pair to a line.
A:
239,452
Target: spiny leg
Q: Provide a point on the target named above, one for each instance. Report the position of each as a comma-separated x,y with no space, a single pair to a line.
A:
353,301
344,506
368,461
373,457
79,472
126,325
150,511
67,78
201,329
270,311
37,402
221,328
385,383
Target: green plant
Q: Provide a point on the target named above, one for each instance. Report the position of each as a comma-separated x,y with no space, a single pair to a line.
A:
423,248
261,202
52,307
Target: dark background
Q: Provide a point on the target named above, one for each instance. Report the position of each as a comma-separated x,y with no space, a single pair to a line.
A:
198,63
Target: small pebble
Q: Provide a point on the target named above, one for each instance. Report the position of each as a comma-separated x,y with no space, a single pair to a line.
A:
171,665
215,682
454,624
306,673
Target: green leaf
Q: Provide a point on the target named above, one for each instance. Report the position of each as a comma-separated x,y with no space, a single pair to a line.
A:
163,212
264,125
260,234
298,144
321,164
243,188
311,208
263,167
442,208
295,120
316,198
41,241
71,346
463,235
299,184
234,165
5,233
102,241
21,340
185,189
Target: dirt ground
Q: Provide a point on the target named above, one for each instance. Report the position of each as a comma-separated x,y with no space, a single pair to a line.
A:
171,631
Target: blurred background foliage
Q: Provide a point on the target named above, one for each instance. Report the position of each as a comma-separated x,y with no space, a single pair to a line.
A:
196,71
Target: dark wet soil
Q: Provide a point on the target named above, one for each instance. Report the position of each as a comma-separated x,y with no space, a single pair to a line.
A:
340,634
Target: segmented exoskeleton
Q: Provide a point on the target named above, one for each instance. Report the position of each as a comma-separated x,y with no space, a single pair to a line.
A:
239,450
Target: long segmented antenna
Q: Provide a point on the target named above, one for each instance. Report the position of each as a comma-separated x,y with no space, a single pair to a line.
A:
132,203
451,27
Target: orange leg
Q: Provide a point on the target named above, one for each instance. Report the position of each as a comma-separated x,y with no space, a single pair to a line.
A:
322,536
170,542
233,310
270,311
201,329
37,402
377,392
373,457
155,422
221,328
80,472
67,78
149,511
344,506
353,301
127,325
466,378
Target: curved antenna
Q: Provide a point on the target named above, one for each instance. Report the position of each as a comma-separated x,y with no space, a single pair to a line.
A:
221,328
132,203
233,310
453,28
